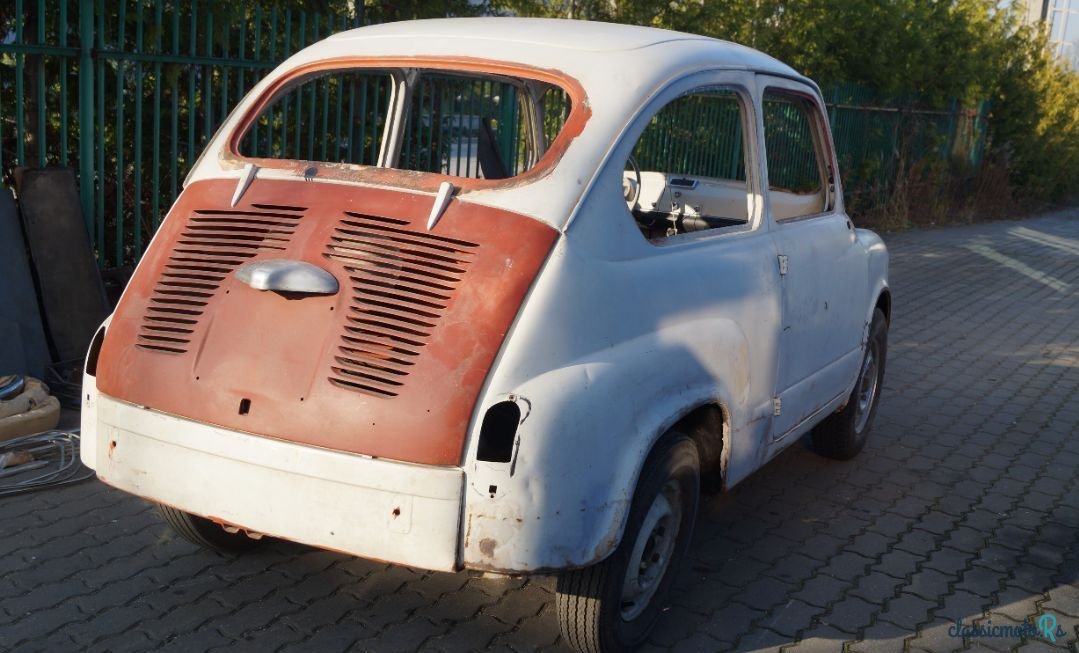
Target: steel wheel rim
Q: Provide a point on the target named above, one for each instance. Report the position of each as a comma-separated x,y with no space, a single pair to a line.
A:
652,551
866,389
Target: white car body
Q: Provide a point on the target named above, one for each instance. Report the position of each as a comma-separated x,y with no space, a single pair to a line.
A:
744,337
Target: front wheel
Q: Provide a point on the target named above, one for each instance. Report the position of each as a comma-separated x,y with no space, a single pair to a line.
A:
843,434
613,605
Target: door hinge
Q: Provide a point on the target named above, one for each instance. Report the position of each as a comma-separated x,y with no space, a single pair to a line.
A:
783,264
777,406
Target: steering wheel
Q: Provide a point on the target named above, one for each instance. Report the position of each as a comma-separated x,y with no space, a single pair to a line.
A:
632,161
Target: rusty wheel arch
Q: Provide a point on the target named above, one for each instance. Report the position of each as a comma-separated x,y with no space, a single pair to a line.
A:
708,425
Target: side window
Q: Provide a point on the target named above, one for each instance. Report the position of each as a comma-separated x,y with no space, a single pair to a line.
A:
688,169
796,181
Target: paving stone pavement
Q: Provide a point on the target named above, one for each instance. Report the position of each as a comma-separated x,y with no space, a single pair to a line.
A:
964,506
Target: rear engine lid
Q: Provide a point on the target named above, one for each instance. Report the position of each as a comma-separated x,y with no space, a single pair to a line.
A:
389,366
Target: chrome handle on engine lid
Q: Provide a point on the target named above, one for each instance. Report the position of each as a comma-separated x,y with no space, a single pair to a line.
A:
284,275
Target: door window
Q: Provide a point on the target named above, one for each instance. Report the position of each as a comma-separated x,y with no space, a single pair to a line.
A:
796,182
687,172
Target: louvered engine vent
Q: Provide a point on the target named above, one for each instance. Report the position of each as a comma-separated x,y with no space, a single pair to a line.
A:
212,244
401,282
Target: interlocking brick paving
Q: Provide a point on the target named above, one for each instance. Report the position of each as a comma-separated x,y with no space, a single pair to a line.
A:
964,506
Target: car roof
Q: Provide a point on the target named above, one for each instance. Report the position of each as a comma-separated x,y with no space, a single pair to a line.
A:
619,69
534,40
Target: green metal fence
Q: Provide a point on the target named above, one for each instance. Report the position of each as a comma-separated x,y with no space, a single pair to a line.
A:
877,137
129,91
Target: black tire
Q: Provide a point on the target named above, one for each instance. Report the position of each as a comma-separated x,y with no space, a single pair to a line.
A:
843,434
205,533
592,612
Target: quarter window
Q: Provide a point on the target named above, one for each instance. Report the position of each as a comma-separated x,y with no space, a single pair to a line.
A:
796,183
687,172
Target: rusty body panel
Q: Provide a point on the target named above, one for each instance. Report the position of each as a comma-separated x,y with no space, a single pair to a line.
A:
390,366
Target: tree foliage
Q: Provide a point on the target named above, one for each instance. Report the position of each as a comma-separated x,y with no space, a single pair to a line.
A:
940,51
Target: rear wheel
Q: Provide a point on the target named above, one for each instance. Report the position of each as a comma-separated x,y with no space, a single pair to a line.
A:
206,533
843,434
613,605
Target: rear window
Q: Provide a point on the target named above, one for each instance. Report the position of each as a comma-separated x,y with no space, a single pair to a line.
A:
460,124
336,117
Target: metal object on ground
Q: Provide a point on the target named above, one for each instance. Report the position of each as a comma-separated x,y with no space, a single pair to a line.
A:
15,458
11,386
34,393
23,349
72,295
30,411
55,462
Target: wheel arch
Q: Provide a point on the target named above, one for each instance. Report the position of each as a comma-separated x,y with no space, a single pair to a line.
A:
563,500
884,303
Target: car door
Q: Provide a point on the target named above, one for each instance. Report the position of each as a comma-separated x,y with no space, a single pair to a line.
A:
822,273
701,213
678,242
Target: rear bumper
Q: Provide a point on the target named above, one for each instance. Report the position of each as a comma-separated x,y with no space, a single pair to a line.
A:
396,512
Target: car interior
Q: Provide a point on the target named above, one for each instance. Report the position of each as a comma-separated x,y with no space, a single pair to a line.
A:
665,204
687,172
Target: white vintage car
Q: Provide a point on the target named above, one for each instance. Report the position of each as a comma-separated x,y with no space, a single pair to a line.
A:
517,348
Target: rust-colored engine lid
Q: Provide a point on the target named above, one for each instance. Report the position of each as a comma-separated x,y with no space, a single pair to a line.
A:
389,366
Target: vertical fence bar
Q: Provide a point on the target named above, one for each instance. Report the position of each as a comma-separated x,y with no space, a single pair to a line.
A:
312,92
137,226
273,56
175,115
225,68
119,136
977,153
337,120
99,143
207,83
454,162
258,58
272,48
3,166
361,141
42,136
287,97
325,125
86,111
193,41
155,206
240,71
429,94
20,99
953,127
65,142
299,93
350,155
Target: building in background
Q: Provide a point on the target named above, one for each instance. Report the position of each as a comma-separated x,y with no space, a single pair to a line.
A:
1061,19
